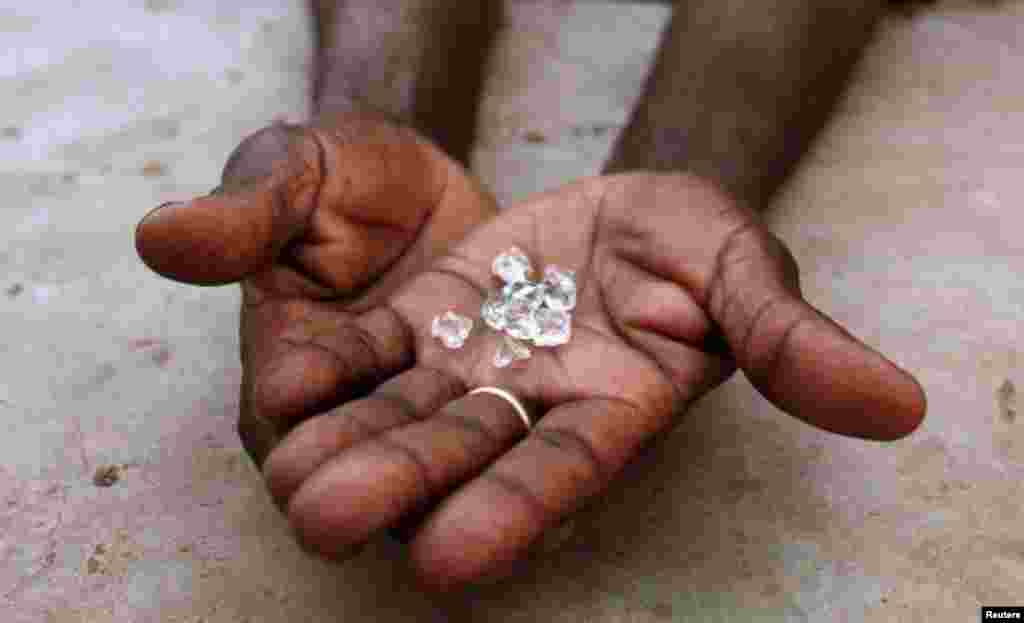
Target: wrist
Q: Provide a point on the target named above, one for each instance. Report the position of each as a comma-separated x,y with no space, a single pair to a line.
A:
338,89
744,115
419,63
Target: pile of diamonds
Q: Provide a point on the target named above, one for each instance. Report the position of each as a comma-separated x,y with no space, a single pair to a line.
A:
523,310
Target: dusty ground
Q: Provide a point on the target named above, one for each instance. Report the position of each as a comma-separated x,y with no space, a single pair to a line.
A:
124,494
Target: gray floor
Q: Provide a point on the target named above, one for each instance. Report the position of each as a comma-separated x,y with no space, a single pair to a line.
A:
904,218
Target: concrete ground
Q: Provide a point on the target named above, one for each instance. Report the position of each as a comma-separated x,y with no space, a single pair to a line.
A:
906,219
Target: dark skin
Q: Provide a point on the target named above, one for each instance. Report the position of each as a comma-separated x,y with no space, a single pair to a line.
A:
350,232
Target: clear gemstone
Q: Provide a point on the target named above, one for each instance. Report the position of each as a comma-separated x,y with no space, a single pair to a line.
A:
510,351
522,326
525,294
493,313
554,327
452,329
559,288
512,266
522,300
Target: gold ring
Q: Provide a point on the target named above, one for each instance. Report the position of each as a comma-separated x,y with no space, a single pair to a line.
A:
507,395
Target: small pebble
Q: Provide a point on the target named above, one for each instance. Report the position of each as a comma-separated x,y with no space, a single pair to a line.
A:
1007,397
154,168
535,136
106,475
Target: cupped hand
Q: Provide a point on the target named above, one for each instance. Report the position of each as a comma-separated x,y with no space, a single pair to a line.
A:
317,221
677,288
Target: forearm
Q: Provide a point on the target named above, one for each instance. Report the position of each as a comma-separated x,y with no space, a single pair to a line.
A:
739,89
420,62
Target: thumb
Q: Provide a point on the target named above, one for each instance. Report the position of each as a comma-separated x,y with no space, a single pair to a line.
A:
797,357
268,190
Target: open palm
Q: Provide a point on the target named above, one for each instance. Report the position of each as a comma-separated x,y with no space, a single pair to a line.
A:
677,288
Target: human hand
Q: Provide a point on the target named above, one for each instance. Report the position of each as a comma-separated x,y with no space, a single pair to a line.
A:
677,287
317,222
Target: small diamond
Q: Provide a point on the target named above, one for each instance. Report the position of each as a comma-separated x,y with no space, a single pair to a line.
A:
522,300
493,313
524,294
512,266
525,310
452,329
559,288
520,321
510,351
553,327
522,327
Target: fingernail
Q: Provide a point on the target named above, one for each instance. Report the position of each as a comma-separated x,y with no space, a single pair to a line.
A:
159,212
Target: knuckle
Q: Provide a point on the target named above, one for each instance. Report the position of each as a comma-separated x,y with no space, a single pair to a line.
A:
262,153
745,241
411,456
734,252
519,491
751,253
788,267
748,351
766,360
295,312
578,448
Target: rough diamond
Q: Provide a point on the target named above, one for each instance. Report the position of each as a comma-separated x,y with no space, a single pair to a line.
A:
559,288
509,351
512,266
554,327
452,329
